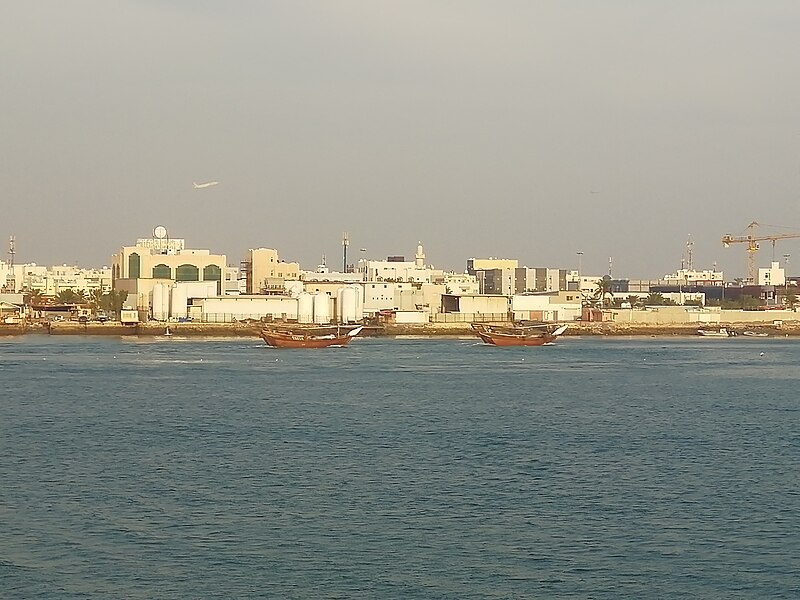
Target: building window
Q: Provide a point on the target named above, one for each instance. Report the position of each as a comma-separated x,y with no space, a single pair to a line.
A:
213,273
134,264
187,273
162,272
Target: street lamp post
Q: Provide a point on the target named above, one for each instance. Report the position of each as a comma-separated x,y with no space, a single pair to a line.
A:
580,281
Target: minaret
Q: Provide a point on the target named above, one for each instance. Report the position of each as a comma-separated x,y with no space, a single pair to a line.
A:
420,257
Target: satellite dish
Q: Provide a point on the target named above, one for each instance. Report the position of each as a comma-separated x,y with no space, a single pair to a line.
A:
160,232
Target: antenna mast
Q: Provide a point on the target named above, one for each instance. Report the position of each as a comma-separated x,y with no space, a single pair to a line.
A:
689,263
11,251
345,244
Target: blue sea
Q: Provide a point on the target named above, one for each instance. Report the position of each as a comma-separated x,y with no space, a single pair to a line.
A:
407,468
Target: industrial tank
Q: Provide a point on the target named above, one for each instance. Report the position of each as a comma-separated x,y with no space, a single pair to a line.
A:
322,308
160,302
305,308
348,304
179,301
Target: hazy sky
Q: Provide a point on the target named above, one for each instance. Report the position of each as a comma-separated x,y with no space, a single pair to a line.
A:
521,129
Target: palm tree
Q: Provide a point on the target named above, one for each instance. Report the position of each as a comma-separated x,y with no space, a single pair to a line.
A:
33,297
655,299
70,296
603,294
633,300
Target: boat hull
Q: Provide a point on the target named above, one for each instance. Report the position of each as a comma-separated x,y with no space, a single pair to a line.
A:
503,335
713,333
300,339
500,339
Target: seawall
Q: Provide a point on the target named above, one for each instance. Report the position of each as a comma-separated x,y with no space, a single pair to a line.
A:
787,328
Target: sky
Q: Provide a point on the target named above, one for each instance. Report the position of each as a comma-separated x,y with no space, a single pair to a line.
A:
514,129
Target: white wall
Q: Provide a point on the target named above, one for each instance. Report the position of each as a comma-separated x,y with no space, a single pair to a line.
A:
247,307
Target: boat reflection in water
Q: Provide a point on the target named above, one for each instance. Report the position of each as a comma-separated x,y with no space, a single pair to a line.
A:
539,334
315,337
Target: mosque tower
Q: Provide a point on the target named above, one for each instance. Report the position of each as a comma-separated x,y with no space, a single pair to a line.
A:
419,261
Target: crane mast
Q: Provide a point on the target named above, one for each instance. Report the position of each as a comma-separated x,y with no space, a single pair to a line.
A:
751,240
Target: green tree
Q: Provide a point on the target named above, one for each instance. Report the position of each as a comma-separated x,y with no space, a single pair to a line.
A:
603,294
95,298
634,301
33,298
790,296
70,296
112,301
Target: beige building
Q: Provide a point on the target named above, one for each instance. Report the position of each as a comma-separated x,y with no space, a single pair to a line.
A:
486,264
265,272
137,269
547,306
474,307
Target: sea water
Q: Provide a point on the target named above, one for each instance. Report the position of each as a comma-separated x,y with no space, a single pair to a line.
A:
441,468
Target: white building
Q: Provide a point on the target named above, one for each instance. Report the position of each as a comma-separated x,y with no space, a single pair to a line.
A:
323,273
461,283
49,281
774,275
692,277
226,309
397,269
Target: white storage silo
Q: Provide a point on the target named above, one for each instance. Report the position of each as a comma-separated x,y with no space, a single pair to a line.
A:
166,290
322,308
348,303
161,301
160,308
305,308
179,301
359,291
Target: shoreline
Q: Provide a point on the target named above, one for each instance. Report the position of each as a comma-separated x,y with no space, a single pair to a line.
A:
432,330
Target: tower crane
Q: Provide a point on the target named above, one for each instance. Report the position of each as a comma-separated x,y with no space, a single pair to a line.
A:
752,239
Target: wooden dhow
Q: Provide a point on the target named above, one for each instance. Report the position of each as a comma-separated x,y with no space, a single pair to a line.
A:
317,337
539,334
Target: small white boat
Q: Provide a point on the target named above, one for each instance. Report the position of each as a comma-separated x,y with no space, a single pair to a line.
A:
755,333
722,332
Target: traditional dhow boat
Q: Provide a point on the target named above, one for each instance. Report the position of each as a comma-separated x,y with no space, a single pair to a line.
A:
518,335
319,337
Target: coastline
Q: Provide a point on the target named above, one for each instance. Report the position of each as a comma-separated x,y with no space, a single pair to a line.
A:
432,330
